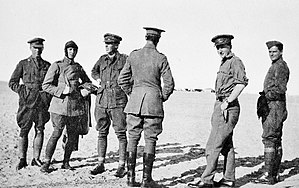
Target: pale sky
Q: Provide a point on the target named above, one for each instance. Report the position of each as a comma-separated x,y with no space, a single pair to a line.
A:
189,26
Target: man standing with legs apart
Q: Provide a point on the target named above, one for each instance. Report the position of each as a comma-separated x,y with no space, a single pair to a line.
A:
33,102
230,82
110,103
275,87
141,80
67,106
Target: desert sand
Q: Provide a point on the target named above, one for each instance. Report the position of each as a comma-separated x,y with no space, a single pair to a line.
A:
180,152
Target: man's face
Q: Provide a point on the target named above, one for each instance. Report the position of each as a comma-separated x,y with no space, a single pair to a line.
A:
111,48
223,50
274,53
71,52
36,51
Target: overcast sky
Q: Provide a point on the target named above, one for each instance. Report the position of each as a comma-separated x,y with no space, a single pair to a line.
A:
189,26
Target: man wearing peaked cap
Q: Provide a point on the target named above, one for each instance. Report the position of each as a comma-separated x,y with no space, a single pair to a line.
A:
270,44
110,103
37,42
141,80
112,38
153,31
222,39
33,102
230,81
275,87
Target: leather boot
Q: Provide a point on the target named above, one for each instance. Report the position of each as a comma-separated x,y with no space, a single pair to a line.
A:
36,162
66,165
278,157
22,164
269,176
23,145
269,163
99,169
45,167
147,181
131,163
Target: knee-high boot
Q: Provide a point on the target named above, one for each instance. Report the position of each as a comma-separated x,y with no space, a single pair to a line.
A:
23,145
131,164
147,180
278,157
270,165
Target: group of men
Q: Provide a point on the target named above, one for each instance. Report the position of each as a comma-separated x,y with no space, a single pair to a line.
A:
130,98
56,90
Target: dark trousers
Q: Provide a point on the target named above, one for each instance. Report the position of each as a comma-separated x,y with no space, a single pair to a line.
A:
152,127
220,141
273,124
59,122
25,119
27,116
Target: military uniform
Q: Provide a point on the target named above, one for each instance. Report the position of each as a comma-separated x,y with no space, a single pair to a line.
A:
110,102
231,73
275,87
141,80
66,109
33,102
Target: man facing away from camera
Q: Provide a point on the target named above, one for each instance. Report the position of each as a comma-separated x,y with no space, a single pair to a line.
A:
230,82
141,80
274,92
33,102
110,103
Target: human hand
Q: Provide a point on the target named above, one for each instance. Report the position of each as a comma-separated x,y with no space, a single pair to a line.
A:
224,105
225,115
99,82
66,90
84,92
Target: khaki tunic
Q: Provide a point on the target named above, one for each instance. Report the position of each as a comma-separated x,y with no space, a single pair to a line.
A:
32,74
109,95
141,79
231,72
275,87
60,74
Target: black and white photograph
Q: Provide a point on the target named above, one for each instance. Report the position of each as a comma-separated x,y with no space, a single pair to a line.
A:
151,94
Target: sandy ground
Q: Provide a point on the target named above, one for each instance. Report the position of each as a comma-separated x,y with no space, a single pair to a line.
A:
180,152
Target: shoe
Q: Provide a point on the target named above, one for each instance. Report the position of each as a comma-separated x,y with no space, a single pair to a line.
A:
120,172
45,167
22,164
224,183
200,184
98,170
266,179
278,178
67,166
150,184
36,162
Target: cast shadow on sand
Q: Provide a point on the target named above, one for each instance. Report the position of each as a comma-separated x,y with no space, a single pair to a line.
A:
175,153
287,168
